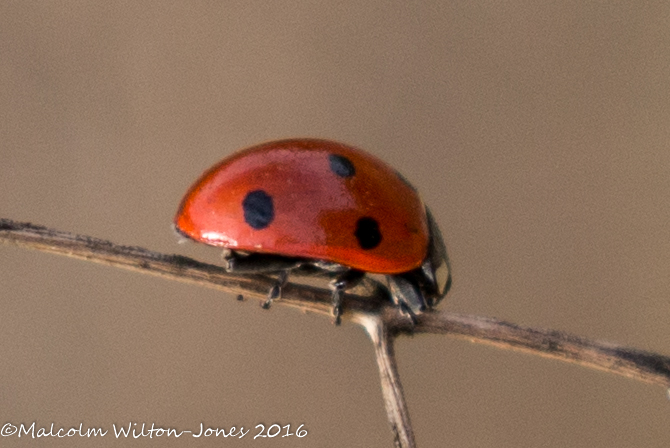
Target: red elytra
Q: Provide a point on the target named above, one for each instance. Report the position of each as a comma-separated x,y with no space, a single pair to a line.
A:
297,203
315,210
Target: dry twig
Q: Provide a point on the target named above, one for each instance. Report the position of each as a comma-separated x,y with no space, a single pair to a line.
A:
382,321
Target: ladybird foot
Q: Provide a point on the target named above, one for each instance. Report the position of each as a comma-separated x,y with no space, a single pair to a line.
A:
275,291
340,284
336,300
405,309
337,314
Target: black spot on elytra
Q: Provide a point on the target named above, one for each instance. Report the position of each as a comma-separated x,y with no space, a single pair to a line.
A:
258,209
341,166
367,233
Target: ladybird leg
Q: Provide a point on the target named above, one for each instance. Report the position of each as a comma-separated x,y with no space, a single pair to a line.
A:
337,305
263,264
406,295
275,291
342,282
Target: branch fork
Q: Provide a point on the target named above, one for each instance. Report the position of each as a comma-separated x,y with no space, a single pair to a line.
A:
382,321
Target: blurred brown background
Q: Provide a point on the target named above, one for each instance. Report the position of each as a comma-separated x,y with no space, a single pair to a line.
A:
537,131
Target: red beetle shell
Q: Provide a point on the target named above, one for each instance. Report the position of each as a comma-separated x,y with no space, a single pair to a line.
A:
320,199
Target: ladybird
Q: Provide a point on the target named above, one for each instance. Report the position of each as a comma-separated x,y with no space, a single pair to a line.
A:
321,207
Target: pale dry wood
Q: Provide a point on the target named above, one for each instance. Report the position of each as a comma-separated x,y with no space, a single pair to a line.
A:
394,399
382,320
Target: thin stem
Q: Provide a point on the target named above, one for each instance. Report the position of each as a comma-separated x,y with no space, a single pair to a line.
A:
394,400
382,320
630,362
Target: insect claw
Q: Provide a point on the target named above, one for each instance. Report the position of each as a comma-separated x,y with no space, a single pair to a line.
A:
275,291
405,309
337,314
